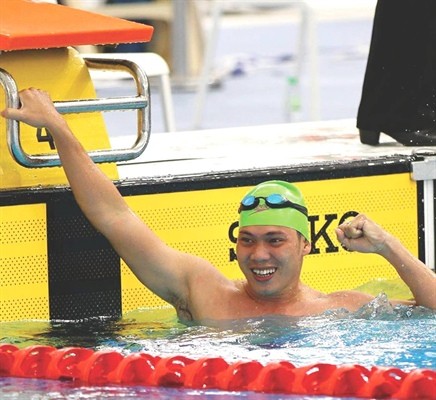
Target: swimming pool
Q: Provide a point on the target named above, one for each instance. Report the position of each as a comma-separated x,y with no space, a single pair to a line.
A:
376,335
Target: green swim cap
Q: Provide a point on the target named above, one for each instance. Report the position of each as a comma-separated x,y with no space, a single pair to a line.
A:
294,215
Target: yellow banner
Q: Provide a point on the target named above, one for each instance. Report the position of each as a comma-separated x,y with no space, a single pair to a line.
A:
205,223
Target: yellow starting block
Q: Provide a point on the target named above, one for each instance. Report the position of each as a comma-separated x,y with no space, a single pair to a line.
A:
64,74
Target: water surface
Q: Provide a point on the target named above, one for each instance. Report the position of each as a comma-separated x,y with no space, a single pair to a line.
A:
378,334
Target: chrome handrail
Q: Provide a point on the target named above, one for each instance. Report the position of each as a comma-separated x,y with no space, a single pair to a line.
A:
140,102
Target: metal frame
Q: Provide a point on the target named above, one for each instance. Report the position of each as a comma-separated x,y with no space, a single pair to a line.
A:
424,169
140,103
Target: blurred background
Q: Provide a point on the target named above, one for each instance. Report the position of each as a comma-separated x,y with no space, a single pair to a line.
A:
249,62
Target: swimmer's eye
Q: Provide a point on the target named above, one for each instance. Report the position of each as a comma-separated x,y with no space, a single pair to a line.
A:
276,240
245,239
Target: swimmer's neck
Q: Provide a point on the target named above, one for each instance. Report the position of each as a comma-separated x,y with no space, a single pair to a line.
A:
291,295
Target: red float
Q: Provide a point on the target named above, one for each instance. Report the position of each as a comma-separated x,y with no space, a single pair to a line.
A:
102,367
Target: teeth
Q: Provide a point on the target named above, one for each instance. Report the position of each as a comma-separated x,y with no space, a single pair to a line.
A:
264,272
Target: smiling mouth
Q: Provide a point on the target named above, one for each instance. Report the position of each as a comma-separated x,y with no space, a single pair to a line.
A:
263,274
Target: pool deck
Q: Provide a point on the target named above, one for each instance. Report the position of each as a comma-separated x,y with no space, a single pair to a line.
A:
255,147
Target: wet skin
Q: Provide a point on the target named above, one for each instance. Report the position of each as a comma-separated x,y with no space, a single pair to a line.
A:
271,258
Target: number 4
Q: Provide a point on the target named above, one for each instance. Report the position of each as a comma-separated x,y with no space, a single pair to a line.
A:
44,135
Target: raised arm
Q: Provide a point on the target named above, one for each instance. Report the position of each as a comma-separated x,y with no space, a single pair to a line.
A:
365,236
164,270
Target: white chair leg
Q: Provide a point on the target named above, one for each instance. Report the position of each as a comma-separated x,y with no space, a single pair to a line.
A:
167,103
311,51
208,61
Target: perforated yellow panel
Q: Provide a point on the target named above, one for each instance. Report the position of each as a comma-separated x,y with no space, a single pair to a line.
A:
23,262
204,223
201,222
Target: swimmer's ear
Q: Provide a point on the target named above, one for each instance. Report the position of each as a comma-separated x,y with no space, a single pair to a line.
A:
307,246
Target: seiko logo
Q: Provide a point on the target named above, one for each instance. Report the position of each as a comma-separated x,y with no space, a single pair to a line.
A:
319,229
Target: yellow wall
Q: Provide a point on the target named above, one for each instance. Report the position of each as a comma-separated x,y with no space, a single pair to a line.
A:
200,222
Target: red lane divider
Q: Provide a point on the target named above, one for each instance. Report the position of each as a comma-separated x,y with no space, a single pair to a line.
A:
102,367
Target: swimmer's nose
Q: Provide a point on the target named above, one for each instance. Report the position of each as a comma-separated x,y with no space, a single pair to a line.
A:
260,252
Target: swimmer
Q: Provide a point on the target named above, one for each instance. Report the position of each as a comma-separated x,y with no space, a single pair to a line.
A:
272,242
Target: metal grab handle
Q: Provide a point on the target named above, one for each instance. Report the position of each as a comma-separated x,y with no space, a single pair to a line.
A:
140,102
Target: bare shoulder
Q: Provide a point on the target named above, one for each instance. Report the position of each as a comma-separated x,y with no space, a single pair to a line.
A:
349,299
211,294
205,279
205,286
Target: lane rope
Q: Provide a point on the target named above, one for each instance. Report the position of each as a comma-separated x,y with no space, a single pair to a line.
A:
102,367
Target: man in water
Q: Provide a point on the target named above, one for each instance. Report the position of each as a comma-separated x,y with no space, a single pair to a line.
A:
272,242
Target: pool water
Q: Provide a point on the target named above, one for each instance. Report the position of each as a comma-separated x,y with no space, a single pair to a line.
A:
15,388
375,335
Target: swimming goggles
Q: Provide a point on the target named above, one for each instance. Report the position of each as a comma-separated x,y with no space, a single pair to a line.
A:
272,201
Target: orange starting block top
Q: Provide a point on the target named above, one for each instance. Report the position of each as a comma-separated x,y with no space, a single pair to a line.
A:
27,24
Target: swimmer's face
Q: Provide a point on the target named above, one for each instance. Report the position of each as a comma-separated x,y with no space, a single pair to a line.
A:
271,257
